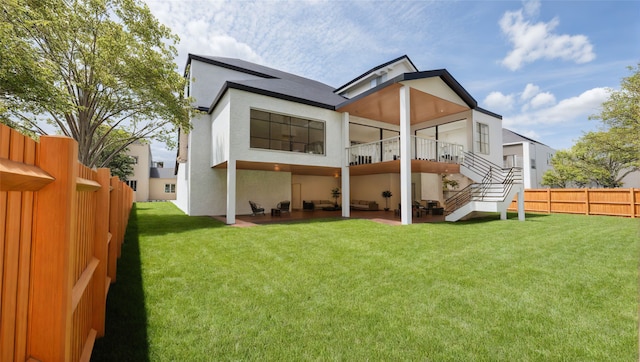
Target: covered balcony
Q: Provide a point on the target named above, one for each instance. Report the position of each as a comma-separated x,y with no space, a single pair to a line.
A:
427,155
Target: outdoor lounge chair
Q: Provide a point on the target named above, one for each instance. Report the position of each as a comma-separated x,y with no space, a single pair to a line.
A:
283,206
256,209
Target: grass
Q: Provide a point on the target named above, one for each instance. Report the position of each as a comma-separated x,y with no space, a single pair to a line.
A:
556,287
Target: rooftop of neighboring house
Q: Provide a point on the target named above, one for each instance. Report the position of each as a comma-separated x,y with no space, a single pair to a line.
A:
509,136
159,172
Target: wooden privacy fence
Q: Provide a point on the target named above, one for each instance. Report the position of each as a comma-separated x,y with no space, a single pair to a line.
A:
61,227
612,202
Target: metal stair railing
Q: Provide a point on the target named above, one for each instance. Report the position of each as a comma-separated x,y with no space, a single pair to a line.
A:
495,186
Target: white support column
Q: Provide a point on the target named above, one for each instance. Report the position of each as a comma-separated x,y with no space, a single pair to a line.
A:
346,188
521,204
405,155
503,214
231,192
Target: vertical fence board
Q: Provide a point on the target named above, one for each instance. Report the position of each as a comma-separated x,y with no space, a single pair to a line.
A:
5,135
11,256
49,336
100,239
114,229
24,261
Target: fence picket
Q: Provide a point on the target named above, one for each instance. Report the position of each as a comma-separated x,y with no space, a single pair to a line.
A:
54,238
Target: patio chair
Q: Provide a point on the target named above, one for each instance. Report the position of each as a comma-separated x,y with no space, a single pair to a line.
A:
283,206
256,209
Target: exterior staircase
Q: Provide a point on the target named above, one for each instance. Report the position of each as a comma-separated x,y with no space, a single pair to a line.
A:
493,191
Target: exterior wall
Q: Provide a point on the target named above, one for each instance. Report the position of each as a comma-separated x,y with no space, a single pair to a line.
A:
220,132
239,143
525,152
141,170
316,187
266,188
437,87
632,180
204,184
370,188
182,188
431,187
156,189
207,80
495,136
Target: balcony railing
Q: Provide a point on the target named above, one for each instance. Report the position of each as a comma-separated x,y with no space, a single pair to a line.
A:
389,150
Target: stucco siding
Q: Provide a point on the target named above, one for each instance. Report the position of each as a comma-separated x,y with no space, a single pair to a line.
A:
495,136
220,129
157,189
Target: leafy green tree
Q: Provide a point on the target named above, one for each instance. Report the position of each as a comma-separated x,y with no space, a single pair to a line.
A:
565,172
622,109
603,158
606,157
79,65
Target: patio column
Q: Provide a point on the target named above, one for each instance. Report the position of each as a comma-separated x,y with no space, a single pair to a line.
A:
521,204
345,168
405,155
231,192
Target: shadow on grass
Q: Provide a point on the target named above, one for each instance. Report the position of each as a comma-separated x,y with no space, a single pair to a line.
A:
496,216
126,325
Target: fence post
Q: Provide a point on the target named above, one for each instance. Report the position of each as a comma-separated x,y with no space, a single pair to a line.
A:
549,201
101,252
54,229
586,201
633,202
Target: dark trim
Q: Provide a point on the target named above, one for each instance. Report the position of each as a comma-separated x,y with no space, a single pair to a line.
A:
442,73
228,66
482,110
449,80
227,85
361,76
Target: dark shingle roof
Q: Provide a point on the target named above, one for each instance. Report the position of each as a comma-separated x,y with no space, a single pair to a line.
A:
509,136
274,83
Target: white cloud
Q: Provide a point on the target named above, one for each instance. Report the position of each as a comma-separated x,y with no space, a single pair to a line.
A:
499,102
530,90
567,110
542,100
534,41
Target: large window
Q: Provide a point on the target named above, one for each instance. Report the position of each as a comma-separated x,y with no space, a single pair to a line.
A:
169,188
482,138
284,133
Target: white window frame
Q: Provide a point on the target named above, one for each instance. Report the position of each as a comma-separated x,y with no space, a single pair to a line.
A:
482,138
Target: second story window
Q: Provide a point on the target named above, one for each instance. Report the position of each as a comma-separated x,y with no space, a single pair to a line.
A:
482,138
274,131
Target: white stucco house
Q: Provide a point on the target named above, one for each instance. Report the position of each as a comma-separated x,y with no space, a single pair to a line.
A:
265,135
533,157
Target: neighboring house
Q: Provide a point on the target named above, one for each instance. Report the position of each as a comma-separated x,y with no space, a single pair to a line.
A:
150,180
532,156
264,135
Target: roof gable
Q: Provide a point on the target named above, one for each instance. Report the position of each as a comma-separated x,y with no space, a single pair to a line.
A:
378,69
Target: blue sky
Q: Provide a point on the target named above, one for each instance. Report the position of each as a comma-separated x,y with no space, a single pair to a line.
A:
545,66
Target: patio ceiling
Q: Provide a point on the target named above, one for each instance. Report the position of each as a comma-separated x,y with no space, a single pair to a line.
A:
359,170
284,167
384,105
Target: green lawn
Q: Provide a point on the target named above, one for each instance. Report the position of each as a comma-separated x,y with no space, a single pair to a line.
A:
556,287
